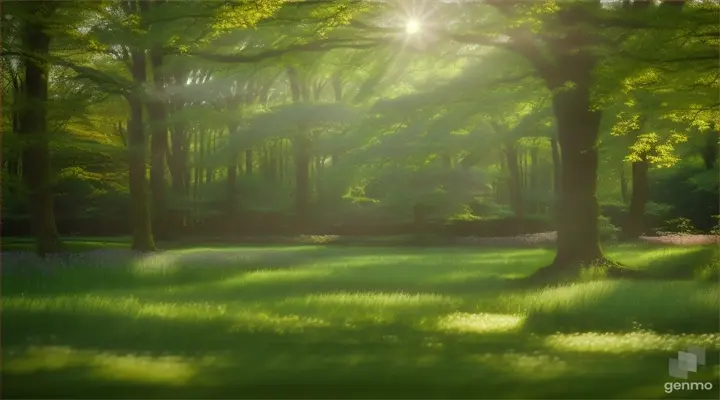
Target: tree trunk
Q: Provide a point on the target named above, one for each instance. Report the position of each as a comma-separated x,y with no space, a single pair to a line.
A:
142,225
301,150
710,150
301,145
178,162
635,225
623,185
578,239
158,146
514,180
232,181
248,162
33,129
209,170
557,175
534,185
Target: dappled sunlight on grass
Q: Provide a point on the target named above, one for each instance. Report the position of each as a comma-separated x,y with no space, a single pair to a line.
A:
206,321
128,306
479,323
529,366
269,276
625,306
126,367
639,257
629,342
348,309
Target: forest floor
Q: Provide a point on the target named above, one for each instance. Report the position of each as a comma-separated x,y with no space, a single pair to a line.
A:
79,244
351,322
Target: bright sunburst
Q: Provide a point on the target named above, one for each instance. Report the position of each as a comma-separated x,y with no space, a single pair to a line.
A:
412,26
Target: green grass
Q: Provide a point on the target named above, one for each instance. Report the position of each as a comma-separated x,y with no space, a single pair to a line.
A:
359,322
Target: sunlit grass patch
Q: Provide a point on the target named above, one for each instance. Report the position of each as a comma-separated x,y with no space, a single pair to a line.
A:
347,309
531,366
625,306
480,323
629,342
120,367
214,319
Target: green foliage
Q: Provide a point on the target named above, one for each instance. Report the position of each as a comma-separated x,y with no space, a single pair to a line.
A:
608,231
679,226
716,229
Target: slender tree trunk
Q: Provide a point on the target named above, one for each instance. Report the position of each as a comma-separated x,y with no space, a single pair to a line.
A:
514,180
209,170
142,223
710,150
157,112
557,175
336,82
534,178
301,150
33,130
232,168
623,185
635,225
178,160
249,162
197,170
318,178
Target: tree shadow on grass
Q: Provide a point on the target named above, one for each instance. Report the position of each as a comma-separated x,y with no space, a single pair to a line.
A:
80,355
73,274
625,306
684,265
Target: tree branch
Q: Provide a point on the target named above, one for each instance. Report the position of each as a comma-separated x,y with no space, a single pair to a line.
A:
320,46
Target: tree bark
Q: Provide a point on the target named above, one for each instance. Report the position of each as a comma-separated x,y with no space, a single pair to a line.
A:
578,239
32,127
178,161
710,150
232,180
301,150
248,162
514,180
142,239
557,175
635,225
623,184
157,112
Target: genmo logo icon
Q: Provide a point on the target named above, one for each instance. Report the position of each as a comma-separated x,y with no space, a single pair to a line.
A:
680,367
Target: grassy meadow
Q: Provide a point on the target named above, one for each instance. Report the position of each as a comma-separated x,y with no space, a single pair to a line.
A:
350,322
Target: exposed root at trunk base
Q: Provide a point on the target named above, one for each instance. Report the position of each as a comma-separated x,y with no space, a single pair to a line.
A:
567,272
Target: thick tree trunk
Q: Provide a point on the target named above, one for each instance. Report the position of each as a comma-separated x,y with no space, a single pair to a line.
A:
157,112
142,239
635,225
578,241
36,147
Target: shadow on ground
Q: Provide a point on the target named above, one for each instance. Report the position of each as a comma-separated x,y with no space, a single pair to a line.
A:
347,323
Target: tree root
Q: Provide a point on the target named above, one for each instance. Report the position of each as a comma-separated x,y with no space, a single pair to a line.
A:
568,272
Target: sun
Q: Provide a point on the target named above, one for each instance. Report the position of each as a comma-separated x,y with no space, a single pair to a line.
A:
412,26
